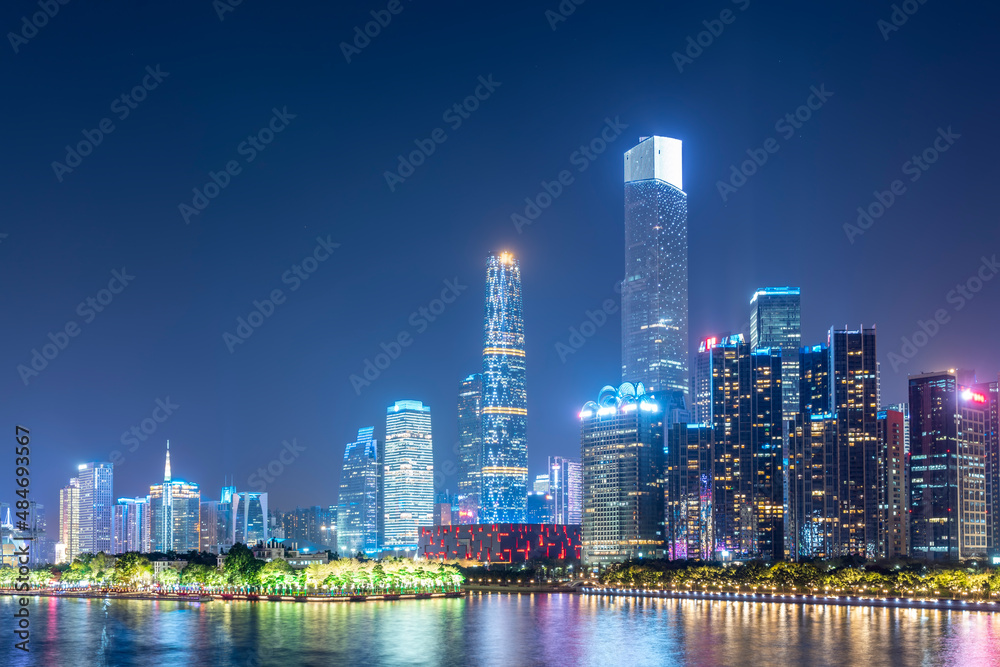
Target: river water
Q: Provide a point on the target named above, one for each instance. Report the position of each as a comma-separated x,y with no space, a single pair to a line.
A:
508,630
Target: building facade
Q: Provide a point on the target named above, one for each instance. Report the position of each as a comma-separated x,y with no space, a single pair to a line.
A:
623,455
893,487
408,474
500,542
131,525
504,456
96,512
565,485
776,322
68,547
655,286
470,446
689,517
358,507
174,513
249,517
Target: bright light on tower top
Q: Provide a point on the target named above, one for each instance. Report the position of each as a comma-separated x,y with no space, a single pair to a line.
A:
655,157
506,258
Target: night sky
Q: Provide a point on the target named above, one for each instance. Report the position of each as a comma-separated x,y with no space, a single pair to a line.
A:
343,124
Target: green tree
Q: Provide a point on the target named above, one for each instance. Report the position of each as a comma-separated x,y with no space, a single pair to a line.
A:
132,569
168,576
240,567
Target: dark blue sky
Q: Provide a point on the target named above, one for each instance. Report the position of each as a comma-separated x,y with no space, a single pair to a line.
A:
323,176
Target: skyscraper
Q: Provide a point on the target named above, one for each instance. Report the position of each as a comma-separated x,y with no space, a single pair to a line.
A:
358,507
893,490
249,517
655,287
175,513
775,321
504,475
565,485
131,523
621,438
69,522
688,514
408,474
470,447
96,508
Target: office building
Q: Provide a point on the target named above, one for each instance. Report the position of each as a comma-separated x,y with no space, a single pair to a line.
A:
893,490
504,457
131,525
470,446
655,287
813,508
541,507
689,520
623,456
565,485
541,484
358,506
775,322
96,507
408,474
249,517
174,513
68,547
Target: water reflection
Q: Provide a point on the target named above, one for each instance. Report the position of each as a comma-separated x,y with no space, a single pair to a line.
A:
497,629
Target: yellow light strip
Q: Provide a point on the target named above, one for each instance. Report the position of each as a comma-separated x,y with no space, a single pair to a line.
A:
504,350
506,411
503,470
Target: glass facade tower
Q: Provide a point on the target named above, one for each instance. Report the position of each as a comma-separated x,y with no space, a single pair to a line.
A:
775,321
655,288
96,517
470,443
504,473
408,474
358,510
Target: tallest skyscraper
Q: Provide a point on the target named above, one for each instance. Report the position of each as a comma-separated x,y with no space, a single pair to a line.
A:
504,459
655,288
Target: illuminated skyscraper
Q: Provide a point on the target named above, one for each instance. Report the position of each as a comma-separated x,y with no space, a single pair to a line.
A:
621,438
175,513
131,522
68,547
565,485
249,517
470,447
408,474
775,321
655,288
504,477
893,490
358,507
688,514
96,508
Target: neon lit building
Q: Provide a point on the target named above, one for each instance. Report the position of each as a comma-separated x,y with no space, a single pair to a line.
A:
688,492
358,507
408,474
470,446
655,287
565,485
174,513
500,542
504,474
622,444
96,507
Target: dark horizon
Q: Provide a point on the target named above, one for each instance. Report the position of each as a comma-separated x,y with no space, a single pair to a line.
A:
543,88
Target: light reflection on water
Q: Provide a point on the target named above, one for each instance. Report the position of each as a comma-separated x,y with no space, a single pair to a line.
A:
509,630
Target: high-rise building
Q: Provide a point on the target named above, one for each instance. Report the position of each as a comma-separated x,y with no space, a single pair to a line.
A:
96,507
748,477
174,513
68,547
688,511
408,474
504,473
470,447
249,517
814,379
948,430
813,508
131,525
358,506
655,287
541,484
775,321
621,438
893,491
854,403
540,507
565,485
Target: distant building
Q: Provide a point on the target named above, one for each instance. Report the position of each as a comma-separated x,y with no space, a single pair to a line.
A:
175,514
623,452
358,506
96,507
688,495
813,518
565,485
68,547
540,507
408,474
499,542
470,445
893,487
775,322
504,475
249,517
442,514
541,484
131,525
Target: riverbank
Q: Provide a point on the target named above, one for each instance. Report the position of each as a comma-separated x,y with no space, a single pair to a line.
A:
517,588
226,597
789,598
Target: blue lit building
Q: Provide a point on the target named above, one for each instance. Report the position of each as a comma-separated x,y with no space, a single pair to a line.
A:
504,474
407,475
655,287
358,510
174,513
776,321
470,447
